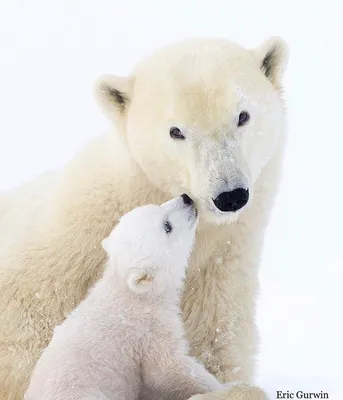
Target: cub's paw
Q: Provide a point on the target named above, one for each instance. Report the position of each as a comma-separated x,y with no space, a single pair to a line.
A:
240,391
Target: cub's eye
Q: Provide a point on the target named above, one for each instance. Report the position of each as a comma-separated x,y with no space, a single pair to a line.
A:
167,226
175,133
243,118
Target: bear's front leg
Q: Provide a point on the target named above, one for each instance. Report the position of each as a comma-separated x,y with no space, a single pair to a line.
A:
219,308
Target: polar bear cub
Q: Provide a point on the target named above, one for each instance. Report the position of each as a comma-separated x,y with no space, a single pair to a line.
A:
126,338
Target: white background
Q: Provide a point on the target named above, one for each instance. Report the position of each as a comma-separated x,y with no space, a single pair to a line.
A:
52,50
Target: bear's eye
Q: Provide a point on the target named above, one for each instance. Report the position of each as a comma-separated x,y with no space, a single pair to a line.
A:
243,118
167,226
175,133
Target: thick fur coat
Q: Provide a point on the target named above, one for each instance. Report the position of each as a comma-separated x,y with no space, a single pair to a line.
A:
52,227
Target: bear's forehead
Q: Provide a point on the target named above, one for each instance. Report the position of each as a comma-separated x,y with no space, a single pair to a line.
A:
197,62
201,80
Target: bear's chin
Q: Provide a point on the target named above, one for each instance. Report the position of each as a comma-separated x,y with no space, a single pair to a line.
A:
217,217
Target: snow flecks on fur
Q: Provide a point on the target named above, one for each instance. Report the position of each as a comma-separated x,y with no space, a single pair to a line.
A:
219,260
236,369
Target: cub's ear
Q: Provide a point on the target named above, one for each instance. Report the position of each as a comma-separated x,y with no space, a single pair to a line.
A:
272,56
113,95
140,281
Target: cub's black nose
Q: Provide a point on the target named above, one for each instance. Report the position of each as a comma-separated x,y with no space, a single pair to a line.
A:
232,201
186,199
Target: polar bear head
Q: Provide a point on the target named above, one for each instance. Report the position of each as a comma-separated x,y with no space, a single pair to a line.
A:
151,245
202,116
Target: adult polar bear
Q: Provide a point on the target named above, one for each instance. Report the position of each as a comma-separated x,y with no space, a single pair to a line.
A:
203,116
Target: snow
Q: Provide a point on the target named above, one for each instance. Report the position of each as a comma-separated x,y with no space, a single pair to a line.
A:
51,52
219,260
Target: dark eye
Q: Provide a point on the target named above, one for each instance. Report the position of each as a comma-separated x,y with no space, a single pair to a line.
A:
175,133
243,118
167,226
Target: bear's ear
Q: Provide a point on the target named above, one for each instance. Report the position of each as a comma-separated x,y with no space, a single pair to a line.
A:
140,281
272,56
113,94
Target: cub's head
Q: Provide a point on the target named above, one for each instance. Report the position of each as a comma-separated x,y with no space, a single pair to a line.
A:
203,116
151,245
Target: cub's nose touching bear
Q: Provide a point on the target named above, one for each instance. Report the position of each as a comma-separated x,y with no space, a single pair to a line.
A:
125,340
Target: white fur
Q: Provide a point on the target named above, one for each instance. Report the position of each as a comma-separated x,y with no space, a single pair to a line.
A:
127,334
51,228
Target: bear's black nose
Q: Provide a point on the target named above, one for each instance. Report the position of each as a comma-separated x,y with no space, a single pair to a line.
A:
232,201
186,199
